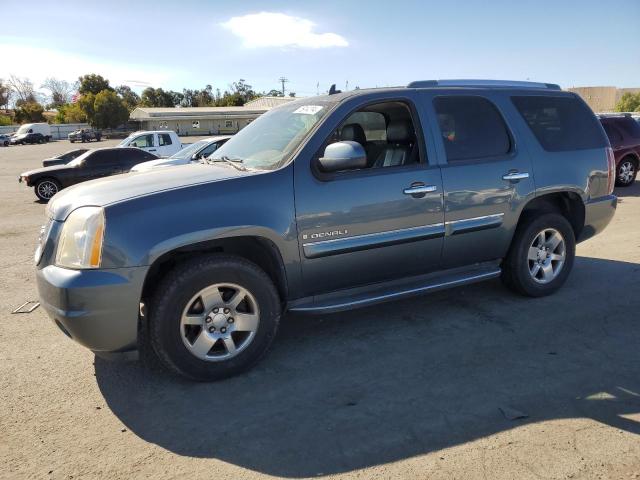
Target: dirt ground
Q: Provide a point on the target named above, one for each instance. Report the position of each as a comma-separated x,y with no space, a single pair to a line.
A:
411,389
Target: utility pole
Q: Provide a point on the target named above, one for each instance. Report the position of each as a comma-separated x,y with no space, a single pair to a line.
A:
283,80
346,86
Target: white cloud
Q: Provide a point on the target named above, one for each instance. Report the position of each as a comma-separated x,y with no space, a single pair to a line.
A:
266,29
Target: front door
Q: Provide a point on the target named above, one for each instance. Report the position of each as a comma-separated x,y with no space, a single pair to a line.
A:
146,142
381,222
486,175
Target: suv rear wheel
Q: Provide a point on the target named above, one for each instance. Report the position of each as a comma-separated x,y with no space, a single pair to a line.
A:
626,172
541,255
213,317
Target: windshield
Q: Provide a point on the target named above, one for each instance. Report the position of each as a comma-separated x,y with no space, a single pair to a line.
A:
267,142
78,160
23,129
190,149
125,142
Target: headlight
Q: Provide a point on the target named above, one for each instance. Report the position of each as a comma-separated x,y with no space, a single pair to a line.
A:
80,244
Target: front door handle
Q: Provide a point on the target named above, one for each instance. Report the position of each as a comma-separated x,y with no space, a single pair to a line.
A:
515,176
419,190
152,149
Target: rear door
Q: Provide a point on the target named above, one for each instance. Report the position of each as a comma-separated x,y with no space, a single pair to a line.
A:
486,173
166,146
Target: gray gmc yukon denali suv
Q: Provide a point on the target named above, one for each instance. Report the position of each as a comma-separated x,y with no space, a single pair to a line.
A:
324,204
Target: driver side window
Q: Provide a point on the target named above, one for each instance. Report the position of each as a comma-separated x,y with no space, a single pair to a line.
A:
143,141
387,133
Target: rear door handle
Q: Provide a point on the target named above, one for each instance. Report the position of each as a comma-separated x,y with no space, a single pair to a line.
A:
515,176
152,149
419,190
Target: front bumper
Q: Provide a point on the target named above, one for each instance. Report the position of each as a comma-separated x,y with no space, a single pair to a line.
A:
597,215
97,308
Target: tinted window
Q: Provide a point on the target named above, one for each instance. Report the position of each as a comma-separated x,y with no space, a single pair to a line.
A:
560,123
100,157
471,127
164,139
612,133
629,126
208,150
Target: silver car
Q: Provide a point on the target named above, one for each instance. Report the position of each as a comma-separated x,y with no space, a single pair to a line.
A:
191,153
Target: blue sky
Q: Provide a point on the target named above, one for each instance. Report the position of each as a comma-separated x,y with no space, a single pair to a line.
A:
188,43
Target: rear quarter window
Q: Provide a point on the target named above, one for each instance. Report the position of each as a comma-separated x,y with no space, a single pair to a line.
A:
560,123
629,126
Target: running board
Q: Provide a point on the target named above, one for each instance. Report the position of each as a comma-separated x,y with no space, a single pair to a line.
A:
394,290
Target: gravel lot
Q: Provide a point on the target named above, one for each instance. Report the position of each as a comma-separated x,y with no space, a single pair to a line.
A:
410,389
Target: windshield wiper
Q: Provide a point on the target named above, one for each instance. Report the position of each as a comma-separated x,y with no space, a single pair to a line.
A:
234,162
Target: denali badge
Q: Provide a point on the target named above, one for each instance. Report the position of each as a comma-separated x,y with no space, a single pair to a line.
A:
316,236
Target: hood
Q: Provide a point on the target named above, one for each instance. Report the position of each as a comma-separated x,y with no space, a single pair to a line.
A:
38,172
106,191
162,162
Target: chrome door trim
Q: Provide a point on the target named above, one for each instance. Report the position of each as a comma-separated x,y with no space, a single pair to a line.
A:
367,241
474,224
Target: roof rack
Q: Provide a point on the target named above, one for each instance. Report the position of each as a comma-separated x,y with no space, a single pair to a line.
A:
615,114
482,83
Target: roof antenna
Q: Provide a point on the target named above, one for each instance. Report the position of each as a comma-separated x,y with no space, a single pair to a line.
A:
333,91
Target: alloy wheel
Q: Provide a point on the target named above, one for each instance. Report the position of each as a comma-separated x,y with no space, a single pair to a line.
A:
626,172
546,255
47,189
219,322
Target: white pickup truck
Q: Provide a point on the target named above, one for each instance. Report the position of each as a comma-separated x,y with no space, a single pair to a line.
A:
162,143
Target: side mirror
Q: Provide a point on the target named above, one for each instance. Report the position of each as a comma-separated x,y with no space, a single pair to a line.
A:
345,155
195,156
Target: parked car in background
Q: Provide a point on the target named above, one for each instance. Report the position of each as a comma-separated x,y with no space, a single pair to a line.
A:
27,138
84,135
5,139
63,158
624,136
42,128
97,163
162,143
191,153
325,204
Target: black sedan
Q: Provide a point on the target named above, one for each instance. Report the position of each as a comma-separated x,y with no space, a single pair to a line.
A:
92,164
24,138
63,158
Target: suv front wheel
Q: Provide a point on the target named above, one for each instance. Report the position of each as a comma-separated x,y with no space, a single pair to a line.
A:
541,255
213,317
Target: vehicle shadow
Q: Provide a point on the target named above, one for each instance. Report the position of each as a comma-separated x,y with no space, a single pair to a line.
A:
351,390
630,191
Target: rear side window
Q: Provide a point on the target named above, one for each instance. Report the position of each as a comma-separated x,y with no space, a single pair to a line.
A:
164,139
560,123
629,126
613,134
471,128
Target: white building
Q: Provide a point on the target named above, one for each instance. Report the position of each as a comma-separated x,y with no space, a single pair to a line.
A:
204,120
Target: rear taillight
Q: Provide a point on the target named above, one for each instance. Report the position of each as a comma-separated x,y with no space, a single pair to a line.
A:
611,164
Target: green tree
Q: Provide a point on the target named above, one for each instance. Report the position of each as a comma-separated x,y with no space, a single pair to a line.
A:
274,93
70,113
86,103
629,102
109,110
93,83
5,120
156,97
29,112
130,98
5,93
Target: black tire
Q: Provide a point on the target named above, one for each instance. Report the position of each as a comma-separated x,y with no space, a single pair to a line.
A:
72,141
626,172
516,267
6,143
40,191
175,292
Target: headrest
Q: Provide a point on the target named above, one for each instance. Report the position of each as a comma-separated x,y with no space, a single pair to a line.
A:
353,132
399,131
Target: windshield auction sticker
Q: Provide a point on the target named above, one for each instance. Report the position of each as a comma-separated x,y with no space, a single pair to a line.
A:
309,109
